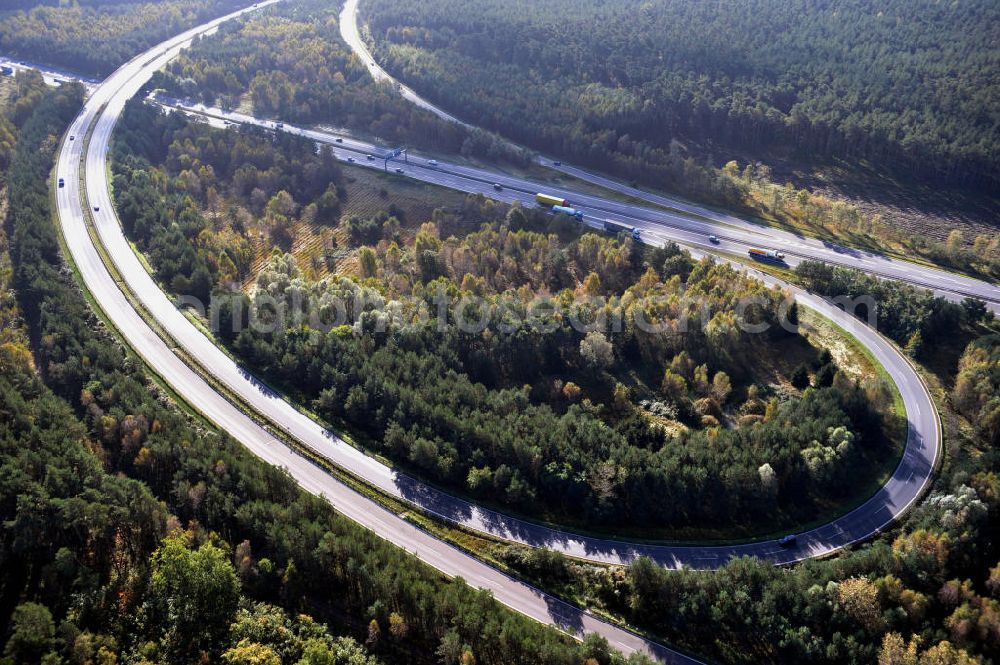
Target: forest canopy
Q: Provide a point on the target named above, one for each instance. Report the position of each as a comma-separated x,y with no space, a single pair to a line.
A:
901,83
134,534
583,423
291,63
93,38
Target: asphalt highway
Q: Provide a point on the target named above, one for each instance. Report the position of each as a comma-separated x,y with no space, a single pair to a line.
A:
78,163
100,114
914,472
237,380
687,222
50,75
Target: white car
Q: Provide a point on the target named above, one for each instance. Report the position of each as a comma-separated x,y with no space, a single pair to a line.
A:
399,170
432,162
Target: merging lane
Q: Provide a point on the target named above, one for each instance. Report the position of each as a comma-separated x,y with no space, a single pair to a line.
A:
910,479
100,114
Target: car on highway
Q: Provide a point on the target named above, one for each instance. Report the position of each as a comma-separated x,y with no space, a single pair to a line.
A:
280,125
432,162
399,170
788,541
72,138
350,159
497,186
62,183
713,239
97,208
556,163
370,157
340,140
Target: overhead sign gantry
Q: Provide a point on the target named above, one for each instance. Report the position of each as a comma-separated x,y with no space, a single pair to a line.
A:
393,154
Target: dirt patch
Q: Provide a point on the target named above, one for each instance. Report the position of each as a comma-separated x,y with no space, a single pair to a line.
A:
371,192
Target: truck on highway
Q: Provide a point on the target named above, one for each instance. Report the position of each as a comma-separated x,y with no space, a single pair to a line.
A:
549,200
566,210
766,255
611,226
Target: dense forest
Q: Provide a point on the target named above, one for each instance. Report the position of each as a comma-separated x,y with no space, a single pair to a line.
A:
618,85
977,388
927,593
912,317
292,64
93,38
562,421
132,534
924,594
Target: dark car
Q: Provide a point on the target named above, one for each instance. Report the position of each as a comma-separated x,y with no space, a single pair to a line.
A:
340,140
62,183
788,541
556,163
497,186
97,208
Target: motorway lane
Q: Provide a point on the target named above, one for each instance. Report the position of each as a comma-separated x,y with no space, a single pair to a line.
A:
662,224
741,233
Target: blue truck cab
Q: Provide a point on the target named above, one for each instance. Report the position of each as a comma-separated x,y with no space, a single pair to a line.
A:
788,541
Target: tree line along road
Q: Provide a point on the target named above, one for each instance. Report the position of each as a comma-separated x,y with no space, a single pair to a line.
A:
75,203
